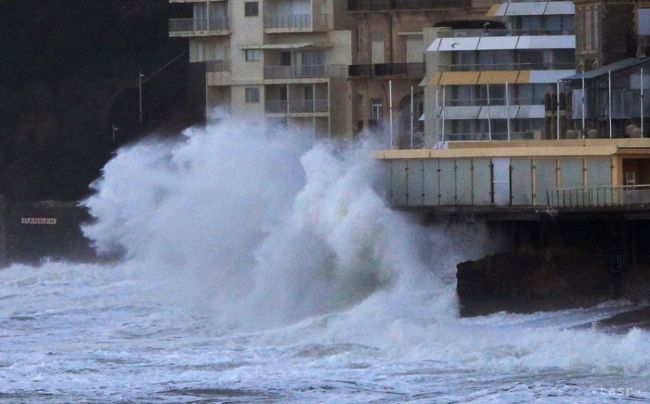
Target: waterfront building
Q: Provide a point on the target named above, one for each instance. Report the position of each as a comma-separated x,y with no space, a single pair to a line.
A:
514,130
324,65
277,62
389,63
498,81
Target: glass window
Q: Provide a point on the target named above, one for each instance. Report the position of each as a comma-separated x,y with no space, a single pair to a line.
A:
553,23
312,58
464,60
531,23
252,55
285,59
252,95
251,9
568,23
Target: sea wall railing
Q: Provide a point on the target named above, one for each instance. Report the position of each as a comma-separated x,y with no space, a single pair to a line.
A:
604,196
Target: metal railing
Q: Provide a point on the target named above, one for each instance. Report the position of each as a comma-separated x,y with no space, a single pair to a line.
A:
295,21
471,67
604,196
461,33
295,72
198,24
217,66
380,5
276,106
404,140
308,106
495,136
493,101
387,69
304,106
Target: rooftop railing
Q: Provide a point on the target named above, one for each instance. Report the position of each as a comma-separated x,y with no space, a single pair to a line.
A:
597,197
177,25
495,136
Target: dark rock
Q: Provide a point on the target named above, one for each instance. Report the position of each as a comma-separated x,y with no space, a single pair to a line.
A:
527,281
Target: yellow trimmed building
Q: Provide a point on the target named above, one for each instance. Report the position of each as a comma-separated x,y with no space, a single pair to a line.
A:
534,174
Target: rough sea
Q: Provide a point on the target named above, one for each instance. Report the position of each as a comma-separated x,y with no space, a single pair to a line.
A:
262,267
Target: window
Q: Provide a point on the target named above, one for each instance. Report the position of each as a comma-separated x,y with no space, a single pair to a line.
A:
251,9
309,92
252,55
285,58
252,95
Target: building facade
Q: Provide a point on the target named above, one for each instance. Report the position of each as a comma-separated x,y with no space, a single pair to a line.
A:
390,60
277,62
500,81
321,65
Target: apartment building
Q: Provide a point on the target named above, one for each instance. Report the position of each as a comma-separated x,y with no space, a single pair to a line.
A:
277,62
389,64
499,80
324,65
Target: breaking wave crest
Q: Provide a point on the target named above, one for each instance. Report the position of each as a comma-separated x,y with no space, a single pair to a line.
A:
274,232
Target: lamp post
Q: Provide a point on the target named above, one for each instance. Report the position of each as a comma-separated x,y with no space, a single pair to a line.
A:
140,77
115,130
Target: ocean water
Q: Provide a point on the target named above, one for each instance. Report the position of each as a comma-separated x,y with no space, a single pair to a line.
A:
266,268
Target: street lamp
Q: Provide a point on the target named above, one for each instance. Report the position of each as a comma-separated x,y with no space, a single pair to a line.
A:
140,77
115,130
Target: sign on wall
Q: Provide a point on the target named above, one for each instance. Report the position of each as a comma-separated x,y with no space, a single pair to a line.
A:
38,220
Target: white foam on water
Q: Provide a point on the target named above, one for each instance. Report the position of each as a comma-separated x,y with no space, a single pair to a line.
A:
275,268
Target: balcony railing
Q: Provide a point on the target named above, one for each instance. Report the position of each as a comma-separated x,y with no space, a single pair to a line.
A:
381,5
177,25
415,70
295,21
297,106
462,33
475,67
294,72
217,66
606,196
308,106
276,106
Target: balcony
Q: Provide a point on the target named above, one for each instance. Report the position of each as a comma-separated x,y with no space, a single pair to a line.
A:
404,70
295,72
276,106
217,66
476,67
477,33
386,5
308,106
183,27
304,106
295,23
